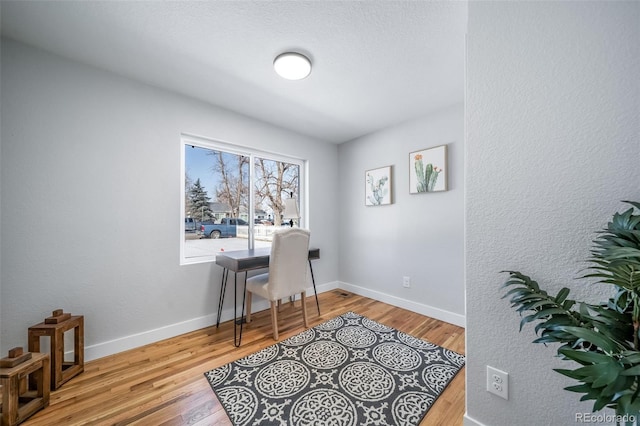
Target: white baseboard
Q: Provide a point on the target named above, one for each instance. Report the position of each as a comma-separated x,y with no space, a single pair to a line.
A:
430,311
125,343
468,421
132,341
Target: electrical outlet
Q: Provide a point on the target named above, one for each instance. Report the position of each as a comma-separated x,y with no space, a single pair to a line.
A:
406,282
498,382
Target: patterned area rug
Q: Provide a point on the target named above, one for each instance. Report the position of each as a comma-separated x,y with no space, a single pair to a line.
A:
347,371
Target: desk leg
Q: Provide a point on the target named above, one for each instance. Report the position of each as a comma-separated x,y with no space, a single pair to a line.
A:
313,280
223,287
237,340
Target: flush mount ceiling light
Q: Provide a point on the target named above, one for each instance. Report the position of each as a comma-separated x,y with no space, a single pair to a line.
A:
292,66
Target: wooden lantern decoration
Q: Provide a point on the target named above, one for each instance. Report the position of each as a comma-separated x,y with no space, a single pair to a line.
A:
25,379
54,327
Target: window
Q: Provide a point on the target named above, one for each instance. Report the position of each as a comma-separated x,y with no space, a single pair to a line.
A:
233,198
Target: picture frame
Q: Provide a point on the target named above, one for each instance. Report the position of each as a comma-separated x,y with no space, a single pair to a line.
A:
428,170
377,186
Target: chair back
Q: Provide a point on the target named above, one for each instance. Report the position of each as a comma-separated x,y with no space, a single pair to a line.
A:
288,262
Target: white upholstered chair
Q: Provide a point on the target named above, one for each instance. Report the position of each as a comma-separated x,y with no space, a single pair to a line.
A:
287,274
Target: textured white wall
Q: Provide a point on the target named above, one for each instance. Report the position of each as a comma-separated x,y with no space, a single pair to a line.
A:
90,201
553,101
419,235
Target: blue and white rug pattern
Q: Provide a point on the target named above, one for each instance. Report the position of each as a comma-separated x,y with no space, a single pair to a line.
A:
349,370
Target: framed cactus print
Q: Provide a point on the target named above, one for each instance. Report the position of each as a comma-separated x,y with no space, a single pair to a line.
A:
377,190
428,170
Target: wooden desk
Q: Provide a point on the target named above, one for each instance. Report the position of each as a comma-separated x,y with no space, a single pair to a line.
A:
245,261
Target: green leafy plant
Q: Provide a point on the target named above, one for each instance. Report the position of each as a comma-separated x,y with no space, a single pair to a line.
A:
603,339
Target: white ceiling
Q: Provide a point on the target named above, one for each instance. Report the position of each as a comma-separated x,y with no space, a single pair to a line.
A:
375,63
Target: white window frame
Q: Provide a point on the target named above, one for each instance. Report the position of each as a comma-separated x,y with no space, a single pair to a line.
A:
187,140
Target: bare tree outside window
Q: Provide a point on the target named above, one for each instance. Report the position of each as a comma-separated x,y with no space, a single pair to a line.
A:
275,181
233,176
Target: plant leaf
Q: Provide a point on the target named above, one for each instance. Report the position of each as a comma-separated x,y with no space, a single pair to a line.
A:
584,356
633,371
592,337
562,295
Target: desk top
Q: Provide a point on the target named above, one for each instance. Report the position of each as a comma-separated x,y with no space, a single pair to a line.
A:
246,260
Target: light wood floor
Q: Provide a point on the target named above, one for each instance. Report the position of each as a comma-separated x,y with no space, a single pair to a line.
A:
163,383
